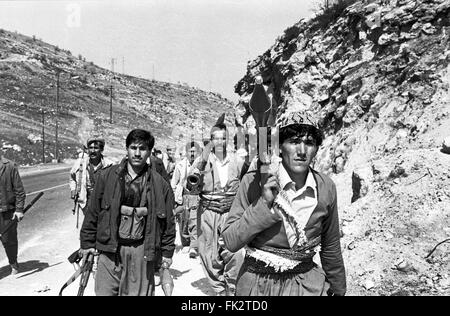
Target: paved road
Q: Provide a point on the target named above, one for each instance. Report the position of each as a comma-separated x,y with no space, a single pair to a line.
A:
47,235
55,205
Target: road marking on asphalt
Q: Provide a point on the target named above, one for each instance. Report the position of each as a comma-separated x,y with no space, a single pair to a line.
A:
52,188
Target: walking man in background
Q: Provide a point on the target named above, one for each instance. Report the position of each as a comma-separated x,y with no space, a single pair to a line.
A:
85,171
12,201
186,203
169,160
219,173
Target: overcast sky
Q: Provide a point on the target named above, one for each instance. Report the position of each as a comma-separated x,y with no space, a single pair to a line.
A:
205,43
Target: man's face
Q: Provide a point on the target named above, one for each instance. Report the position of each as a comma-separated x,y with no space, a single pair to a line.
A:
170,152
219,141
192,154
298,152
94,150
138,154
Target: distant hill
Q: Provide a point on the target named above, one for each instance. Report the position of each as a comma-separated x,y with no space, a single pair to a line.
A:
28,68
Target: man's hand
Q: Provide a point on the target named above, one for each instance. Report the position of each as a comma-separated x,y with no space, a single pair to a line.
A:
206,151
18,216
178,210
270,190
85,252
166,263
73,194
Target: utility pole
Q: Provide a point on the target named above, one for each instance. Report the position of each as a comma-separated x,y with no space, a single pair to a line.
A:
111,91
43,134
56,115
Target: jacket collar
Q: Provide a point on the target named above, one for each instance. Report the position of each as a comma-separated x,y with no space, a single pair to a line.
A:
122,167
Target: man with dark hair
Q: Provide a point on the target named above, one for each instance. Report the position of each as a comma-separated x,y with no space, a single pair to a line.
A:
286,222
129,221
169,160
187,203
85,171
218,172
12,200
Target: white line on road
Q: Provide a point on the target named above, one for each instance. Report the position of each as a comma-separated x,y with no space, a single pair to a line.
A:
58,186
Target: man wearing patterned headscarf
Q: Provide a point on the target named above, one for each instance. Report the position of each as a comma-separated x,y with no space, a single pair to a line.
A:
284,223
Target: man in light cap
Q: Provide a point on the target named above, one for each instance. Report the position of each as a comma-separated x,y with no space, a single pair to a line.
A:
286,221
85,171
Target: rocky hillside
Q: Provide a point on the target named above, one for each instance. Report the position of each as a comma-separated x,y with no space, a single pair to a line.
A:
378,78
28,70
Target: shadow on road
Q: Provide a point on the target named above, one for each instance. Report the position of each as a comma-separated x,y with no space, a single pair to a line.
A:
32,265
204,286
176,274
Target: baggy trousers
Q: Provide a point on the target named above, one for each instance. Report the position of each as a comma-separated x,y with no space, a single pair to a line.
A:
9,239
188,221
125,273
191,202
221,266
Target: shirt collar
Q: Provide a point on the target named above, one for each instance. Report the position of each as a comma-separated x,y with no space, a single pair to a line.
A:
286,180
222,163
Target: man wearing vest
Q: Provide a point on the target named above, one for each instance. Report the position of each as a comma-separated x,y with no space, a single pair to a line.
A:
85,171
129,222
219,172
12,200
284,224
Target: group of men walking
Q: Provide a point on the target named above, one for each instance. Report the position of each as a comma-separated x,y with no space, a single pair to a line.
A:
255,233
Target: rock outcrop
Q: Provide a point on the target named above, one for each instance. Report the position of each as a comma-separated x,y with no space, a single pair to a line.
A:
378,78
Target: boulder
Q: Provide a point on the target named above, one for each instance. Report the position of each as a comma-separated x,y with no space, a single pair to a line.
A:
428,29
446,145
339,164
362,177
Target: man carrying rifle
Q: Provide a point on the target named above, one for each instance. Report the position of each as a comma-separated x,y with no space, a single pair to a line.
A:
12,200
283,223
85,172
218,173
186,202
130,222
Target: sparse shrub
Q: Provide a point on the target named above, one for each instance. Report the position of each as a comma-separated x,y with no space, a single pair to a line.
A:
330,10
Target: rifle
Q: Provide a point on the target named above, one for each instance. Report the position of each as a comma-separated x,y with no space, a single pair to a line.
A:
76,206
84,271
24,211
